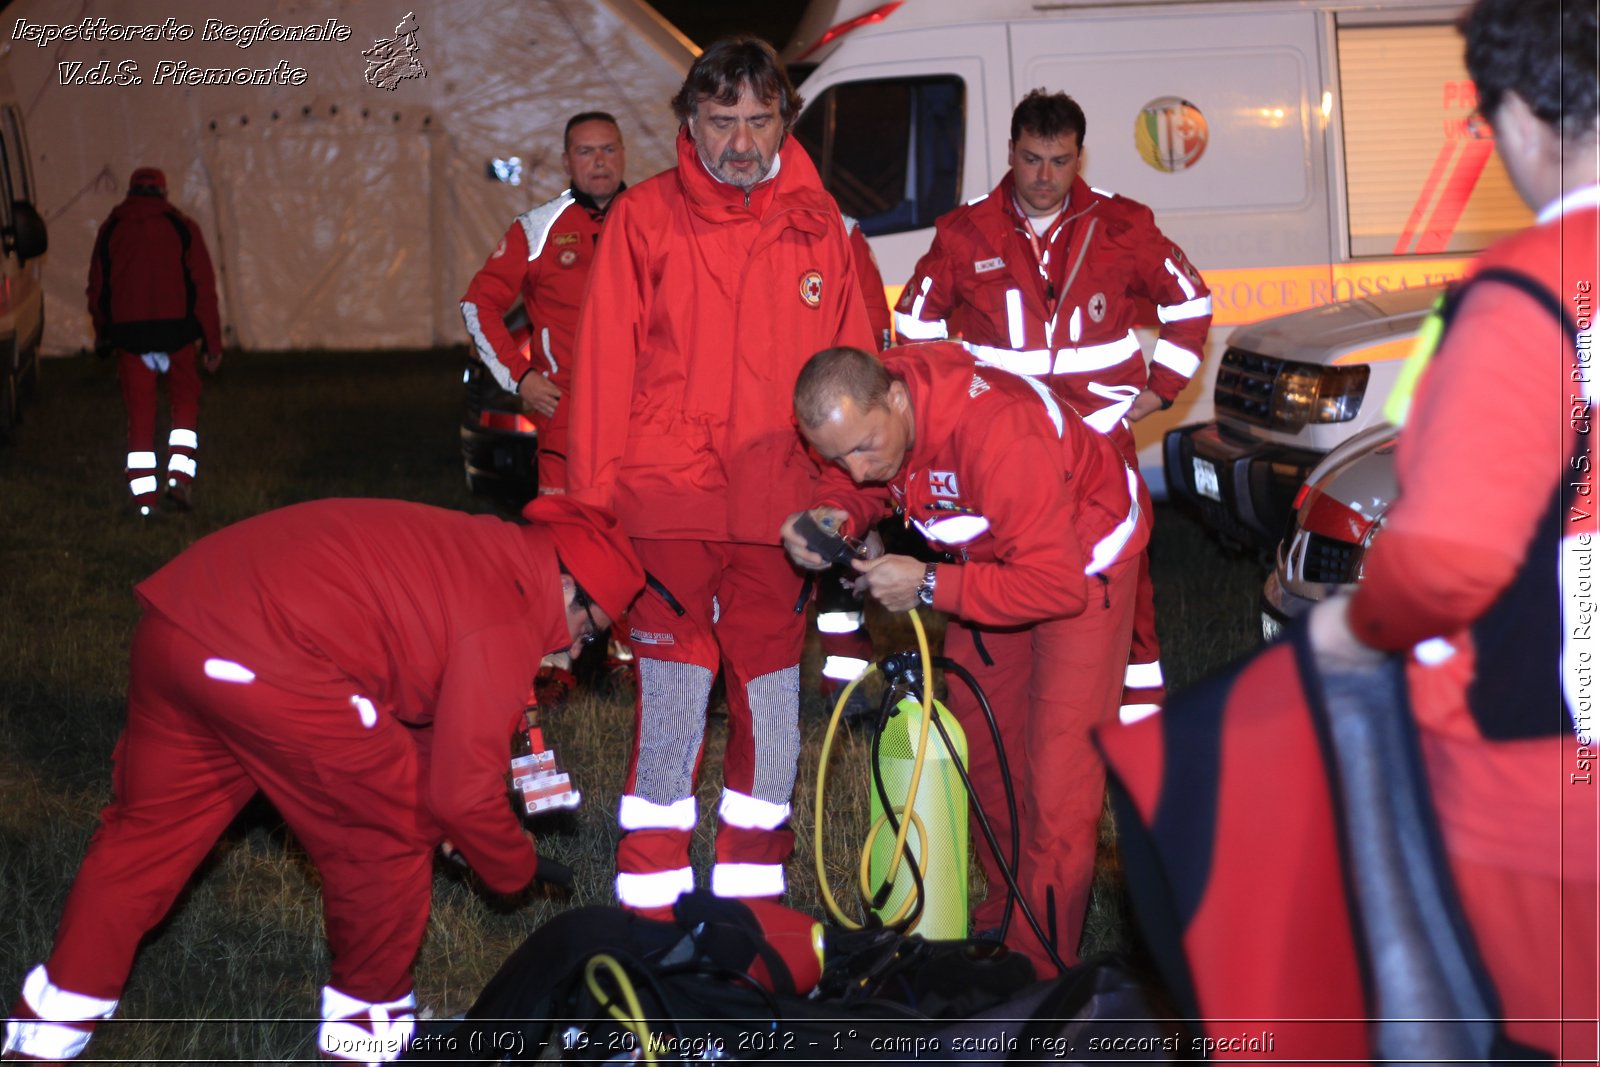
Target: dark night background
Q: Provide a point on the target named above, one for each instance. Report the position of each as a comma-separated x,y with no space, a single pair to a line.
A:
703,21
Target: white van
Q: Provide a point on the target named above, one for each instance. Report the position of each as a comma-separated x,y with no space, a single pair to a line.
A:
1302,152
23,242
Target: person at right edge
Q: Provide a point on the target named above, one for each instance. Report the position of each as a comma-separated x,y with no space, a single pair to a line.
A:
1046,276
1485,588
716,280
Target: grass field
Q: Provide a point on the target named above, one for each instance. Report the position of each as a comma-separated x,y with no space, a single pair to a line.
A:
233,975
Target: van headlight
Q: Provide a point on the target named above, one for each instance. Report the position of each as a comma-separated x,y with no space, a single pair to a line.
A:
1305,393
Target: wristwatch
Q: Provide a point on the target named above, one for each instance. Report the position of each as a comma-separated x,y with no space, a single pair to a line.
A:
925,587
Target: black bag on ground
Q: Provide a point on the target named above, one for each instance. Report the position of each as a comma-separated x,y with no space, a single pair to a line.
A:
599,984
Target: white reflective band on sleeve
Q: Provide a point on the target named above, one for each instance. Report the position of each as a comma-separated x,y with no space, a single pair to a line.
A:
1189,309
912,327
909,328
839,622
178,463
843,668
747,879
480,341
183,439
225,670
1143,676
1103,192
955,529
1181,360
637,813
138,461
159,362
1109,547
1014,324
1033,361
368,713
1183,280
1129,713
1052,407
143,486
748,813
654,890
52,1036
1433,651
1075,326
1098,357
1121,397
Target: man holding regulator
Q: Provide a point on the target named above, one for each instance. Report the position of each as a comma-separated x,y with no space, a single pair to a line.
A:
1043,526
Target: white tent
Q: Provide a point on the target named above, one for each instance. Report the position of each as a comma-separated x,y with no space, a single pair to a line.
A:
340,214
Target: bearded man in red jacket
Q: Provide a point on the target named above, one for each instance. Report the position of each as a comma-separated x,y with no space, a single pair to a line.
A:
716,280
364,664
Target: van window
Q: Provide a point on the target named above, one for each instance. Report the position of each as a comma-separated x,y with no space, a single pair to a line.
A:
1420,173
16,162
889,150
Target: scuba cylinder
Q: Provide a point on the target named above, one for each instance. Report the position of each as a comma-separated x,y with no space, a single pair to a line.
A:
938,837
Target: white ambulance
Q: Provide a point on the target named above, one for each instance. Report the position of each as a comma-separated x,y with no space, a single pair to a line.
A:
1302,152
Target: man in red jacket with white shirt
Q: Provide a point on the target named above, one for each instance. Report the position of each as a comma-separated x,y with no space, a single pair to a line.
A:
1046,277
1043,523
545,258
715,281
364,664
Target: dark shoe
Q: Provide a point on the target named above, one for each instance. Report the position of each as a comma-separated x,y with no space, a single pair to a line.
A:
178,494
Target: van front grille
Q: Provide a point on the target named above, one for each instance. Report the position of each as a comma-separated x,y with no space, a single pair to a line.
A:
1245,381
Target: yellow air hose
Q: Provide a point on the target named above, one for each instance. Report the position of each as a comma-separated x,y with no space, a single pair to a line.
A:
908,813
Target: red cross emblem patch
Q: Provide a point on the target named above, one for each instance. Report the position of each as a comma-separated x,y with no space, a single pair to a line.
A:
811,288
943,483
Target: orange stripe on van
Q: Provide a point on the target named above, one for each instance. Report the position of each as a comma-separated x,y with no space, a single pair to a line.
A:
1249,294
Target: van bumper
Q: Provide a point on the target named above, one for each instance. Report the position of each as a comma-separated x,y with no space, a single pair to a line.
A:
1243,489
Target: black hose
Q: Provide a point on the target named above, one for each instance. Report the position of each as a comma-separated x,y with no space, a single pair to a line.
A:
882,896
950,666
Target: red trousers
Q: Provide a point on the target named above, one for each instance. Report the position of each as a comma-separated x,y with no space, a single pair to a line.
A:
551,462
195,749
738,604
139,397
1049,684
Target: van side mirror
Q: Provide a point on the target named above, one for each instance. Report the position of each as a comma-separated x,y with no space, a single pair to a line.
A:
26,236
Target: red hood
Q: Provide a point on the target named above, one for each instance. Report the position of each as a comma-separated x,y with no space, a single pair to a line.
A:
938,374
717,201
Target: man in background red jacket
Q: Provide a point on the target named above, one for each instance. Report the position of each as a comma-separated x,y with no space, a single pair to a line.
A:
362,663
544,258
1047,276
153,300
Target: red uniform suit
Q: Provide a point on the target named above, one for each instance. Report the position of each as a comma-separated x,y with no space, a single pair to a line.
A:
846,646
1043,594
544,258
1483,577
703,305
152,298
364,664
1485,571
1061,308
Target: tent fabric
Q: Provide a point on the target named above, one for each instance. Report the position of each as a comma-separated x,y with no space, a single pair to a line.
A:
342,215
